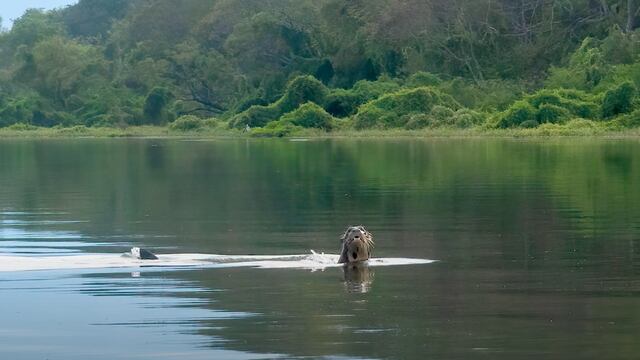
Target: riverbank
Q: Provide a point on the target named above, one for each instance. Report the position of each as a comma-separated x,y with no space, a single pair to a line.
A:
220,132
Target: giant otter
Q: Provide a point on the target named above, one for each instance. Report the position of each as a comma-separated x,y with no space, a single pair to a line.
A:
357,244
141,254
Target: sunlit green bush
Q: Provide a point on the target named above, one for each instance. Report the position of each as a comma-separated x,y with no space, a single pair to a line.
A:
392,110
441,115
255,116
276,129
300,90
22,127
309,115
517,114
630,120
550,106
78,129
418,121
422,78
576,102
20,109
586,68
466,118
187,123
345,102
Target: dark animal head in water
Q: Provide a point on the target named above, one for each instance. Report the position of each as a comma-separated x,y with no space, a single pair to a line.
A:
143,254
357,244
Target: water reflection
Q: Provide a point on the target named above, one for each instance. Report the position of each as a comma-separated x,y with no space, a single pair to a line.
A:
539,242
358,277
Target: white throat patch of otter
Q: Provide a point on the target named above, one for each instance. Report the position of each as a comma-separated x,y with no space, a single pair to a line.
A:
357,244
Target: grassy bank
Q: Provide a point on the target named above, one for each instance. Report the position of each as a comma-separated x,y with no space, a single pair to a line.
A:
166,132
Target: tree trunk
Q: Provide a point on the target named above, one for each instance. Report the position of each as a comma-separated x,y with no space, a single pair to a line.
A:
632,9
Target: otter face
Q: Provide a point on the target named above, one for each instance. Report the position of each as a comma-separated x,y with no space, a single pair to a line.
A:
357,244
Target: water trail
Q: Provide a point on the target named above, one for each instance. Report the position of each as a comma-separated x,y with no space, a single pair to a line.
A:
312,261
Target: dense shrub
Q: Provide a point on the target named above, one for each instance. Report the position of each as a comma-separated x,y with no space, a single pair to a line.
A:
342,102
441,115
276,129
20,109
369,90
631,120
576,102
586,68
550,106
22,127
418,121
255,116
392,110
187,123
549,113
466,118
422,78
529,124
516,114
490,95
618,100
78,129
300,90
345,102
154,104
309,115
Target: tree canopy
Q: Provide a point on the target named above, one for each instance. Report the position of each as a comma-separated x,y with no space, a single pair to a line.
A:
120,62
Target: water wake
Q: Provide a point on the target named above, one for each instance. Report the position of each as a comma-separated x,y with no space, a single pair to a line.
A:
312,261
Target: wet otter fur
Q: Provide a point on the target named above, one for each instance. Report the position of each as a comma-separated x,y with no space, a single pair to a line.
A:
357,244
142,254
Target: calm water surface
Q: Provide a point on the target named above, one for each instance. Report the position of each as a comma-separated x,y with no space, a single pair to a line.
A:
538,245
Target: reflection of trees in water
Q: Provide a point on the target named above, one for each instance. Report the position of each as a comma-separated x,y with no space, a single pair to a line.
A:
528,231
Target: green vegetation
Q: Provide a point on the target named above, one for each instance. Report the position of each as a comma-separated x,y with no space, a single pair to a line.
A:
286,67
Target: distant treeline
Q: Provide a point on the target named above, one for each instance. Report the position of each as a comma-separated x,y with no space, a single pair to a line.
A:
279,65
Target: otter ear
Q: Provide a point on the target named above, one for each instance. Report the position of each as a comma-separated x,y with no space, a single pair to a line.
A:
344,236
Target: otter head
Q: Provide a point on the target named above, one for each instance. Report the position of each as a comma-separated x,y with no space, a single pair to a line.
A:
357,244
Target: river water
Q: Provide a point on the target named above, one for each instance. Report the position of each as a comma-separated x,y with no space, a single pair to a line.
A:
535,242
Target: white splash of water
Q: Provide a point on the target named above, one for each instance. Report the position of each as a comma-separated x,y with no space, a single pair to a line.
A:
312,261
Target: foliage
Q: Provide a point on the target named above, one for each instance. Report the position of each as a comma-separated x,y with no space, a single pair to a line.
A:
391,110
422,78
276,129
187,123
155,104
550,106
300,90
309,115
520,112
618,100
345,102
256,116
380,64
631,120
466,118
